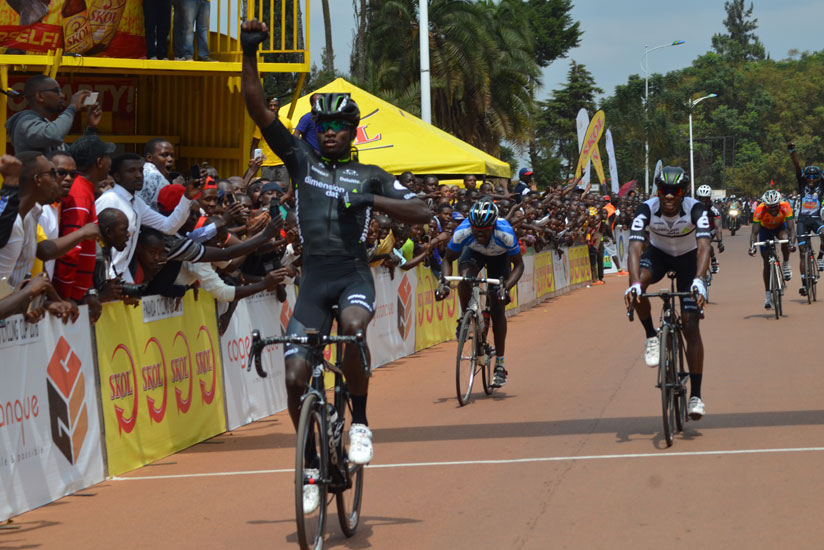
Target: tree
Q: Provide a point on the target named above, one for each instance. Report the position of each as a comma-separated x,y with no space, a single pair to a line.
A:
740,43
554,30
328,53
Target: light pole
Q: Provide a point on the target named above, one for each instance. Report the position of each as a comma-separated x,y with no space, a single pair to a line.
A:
692,104
645,68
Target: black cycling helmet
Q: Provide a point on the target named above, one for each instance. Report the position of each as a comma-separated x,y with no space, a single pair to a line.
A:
811,173
335,106
672,176
484,213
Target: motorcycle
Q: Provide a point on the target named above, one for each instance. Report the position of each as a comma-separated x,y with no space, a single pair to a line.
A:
733,221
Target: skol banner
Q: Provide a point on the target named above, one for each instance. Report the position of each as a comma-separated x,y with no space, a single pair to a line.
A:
590,144
161,378
544,274
49,426
435,322
580,270
582,123
106,28
248,396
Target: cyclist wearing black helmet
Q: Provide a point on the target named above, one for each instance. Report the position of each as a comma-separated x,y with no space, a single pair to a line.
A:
335,196
679,240
808,211
485,240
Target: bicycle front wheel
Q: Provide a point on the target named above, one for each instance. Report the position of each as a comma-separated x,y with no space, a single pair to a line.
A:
349,499
486,374
467,356
809,279
679,375
311,453
775,288
665,361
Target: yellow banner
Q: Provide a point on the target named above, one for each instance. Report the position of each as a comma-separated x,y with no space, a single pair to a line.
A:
513,295
599,167
579,267
435,322
161,378
544,274
596,127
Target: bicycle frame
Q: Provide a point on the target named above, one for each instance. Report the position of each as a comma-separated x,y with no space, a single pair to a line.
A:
777,283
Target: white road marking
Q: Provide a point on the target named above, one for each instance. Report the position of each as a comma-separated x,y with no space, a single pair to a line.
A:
507,461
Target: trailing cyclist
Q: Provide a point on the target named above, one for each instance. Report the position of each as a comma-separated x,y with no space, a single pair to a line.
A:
335,195
485,240
704,194
679,241
810,191
773,219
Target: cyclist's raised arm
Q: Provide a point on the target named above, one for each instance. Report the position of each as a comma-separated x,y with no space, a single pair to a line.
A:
797,165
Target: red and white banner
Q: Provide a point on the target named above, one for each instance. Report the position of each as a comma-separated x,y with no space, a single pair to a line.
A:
49,425
391,334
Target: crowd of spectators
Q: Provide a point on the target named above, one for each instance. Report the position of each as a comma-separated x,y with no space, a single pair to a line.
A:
101,226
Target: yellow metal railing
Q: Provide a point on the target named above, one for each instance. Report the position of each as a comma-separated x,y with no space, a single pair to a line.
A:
228,26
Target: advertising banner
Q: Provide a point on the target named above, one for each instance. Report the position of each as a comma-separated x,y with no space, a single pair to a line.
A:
613,164
560,268
544,274
435,322
391,334
105,28
526,286
590,144
161,377
580,270
582,123
49,425
248,396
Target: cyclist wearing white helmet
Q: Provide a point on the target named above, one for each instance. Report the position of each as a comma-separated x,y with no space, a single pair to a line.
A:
679,241
773,219
485,240
704,195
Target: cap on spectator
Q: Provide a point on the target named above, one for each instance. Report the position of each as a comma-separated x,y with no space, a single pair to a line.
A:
210,183
271,186
88,149
169,197
524,172
606,197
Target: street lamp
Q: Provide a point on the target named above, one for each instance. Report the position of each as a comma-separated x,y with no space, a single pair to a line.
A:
645,68
692,104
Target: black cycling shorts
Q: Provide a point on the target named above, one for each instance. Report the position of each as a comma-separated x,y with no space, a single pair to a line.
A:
326,282
685,266
807,224
497,267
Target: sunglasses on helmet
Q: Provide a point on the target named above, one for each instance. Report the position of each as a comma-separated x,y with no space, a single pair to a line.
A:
334,125
674,190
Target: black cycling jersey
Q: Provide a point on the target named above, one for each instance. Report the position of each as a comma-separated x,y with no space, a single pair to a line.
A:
324,229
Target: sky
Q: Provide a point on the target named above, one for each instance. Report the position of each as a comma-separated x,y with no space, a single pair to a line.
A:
615,33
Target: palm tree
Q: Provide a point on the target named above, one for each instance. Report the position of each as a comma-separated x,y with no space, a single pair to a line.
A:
328,55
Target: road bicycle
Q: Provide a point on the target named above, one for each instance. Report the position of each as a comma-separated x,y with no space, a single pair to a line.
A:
810,266
474,354
776,276
672,378
322,434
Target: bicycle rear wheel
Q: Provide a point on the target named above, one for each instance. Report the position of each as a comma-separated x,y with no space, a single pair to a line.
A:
348,500
665,361
312,443
486,373
679,375
467,356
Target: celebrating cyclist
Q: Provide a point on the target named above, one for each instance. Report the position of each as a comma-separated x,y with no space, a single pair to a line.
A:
485,240
810,191
773,219
704,194
679,240
335,195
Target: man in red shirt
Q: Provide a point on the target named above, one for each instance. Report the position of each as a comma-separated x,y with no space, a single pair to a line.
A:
73,272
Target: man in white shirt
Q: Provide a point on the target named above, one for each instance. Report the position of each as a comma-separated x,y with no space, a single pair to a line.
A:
127,170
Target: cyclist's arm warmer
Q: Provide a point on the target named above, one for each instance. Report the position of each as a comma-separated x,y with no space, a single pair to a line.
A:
703,227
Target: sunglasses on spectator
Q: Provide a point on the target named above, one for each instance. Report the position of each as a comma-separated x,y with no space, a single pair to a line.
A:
53,173
665,190
62,172
334,125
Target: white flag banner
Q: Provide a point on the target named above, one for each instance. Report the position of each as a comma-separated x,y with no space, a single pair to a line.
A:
582,122
659,167
613,165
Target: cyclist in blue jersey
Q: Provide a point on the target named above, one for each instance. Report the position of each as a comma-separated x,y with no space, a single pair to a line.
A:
485,240
808,211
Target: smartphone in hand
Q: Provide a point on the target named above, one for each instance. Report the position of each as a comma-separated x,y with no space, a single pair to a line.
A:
258,153
274,209
194,172
91,99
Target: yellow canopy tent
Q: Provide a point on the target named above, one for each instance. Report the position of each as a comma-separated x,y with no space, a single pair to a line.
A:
398,141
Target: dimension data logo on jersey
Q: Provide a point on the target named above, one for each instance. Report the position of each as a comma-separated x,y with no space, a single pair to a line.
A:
66,387
405,308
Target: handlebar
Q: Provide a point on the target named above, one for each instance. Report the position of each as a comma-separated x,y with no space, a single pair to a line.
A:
473,280
663,294
771,241
313,339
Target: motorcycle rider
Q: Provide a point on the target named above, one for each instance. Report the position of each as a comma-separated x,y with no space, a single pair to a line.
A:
733,221
704,195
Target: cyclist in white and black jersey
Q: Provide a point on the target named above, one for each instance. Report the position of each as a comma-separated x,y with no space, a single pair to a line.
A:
704,195
808,209
679,240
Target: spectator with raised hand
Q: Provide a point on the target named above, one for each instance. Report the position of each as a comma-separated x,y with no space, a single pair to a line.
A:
18,301
127,170
160,162
44,125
